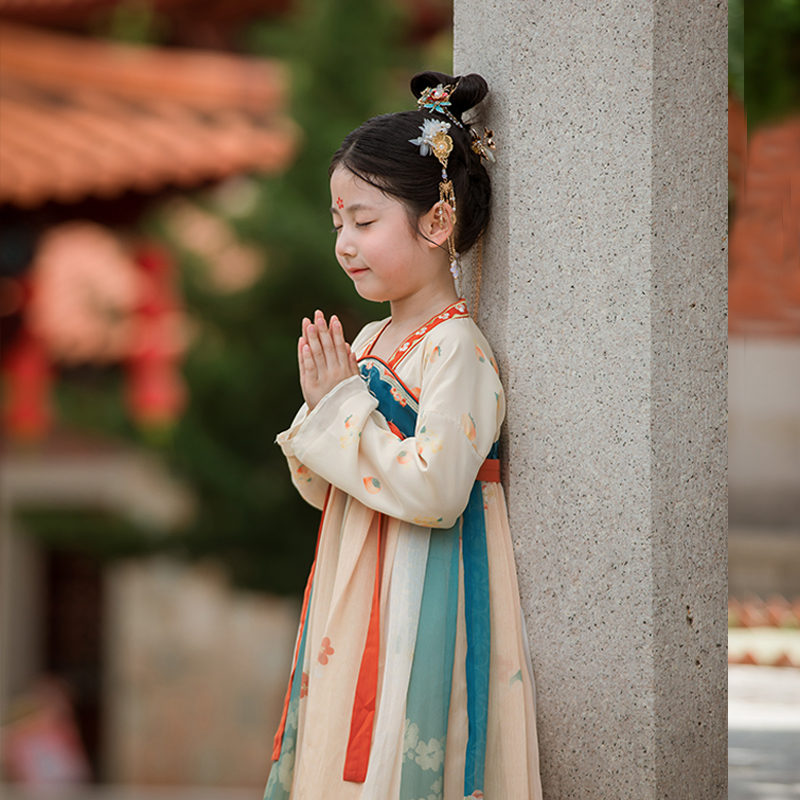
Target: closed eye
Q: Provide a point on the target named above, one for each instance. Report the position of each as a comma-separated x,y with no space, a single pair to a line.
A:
337,228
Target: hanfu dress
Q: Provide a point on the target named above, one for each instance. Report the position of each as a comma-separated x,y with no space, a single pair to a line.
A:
411,677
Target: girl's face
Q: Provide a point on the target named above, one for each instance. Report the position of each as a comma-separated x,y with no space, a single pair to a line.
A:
375,242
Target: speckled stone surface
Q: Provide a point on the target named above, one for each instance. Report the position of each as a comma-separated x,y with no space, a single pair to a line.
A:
604,297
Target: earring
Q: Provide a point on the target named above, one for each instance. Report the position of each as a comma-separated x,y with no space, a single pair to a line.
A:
454,270
454,256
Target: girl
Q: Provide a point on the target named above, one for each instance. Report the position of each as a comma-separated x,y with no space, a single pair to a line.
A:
411,679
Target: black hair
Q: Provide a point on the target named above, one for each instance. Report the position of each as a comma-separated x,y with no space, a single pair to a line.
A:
380,153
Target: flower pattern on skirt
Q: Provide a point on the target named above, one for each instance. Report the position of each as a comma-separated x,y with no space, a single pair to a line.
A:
325,650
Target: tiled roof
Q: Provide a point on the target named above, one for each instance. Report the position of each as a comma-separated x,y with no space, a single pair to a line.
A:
13,5
80,11
31,7
84,117
764,260
737,143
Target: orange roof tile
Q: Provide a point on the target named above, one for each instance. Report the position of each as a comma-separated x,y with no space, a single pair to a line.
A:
737,142
764,262
72,11
83,117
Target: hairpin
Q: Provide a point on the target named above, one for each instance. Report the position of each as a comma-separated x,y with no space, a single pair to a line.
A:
437,98
483,145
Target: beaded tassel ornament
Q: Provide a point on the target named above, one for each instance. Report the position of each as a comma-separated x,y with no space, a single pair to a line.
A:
435,139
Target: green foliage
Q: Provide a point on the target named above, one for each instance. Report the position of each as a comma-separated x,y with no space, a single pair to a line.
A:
736,47
343,55
347,61
347,64
768,66
131,22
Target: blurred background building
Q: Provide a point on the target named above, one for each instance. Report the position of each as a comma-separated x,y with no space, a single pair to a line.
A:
163,229
764,301
163,203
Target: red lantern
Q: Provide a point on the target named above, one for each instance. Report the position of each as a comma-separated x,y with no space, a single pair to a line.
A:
156,390
28,378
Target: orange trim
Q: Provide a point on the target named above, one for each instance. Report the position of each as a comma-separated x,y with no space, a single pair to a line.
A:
360,741
454,311
278,740
489,471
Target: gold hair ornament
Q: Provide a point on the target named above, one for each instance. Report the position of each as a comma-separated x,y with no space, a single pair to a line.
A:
436,140
483,145
437,98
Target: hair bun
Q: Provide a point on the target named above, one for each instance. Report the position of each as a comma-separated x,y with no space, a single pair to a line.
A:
470,89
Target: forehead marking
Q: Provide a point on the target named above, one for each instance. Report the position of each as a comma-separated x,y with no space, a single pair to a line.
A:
340,202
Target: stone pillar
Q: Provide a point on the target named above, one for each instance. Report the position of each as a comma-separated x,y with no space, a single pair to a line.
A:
604,297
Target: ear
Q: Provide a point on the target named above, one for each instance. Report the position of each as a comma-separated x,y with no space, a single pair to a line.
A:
437,224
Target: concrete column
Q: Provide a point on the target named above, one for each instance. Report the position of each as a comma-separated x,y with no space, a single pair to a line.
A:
604,297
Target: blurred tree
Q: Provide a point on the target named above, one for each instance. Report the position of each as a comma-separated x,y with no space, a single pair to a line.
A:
764,57
348,62
736,47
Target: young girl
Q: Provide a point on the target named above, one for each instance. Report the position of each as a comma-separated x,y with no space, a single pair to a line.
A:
411,679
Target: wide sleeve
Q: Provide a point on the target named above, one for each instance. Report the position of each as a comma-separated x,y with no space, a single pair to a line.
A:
313,487
427,478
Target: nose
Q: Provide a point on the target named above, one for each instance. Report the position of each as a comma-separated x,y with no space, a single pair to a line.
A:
345,247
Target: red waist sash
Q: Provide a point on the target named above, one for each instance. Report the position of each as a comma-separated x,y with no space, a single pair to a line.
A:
489,471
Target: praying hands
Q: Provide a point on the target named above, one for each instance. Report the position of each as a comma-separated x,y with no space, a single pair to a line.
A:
324,357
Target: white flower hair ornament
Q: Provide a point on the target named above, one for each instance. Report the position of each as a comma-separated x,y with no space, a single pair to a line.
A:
436,140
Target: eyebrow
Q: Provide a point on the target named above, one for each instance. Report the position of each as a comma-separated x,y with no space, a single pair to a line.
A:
354,207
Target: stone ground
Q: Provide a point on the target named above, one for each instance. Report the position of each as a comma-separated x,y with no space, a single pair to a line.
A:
763,747
763,733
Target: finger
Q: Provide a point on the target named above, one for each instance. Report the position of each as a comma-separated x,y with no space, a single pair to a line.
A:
319,322
353,362
301,362
307,325
342,348
315,346
300,342
325,339
309,363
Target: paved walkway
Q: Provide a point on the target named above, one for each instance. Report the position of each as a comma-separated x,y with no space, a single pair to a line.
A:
763,747
763,733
